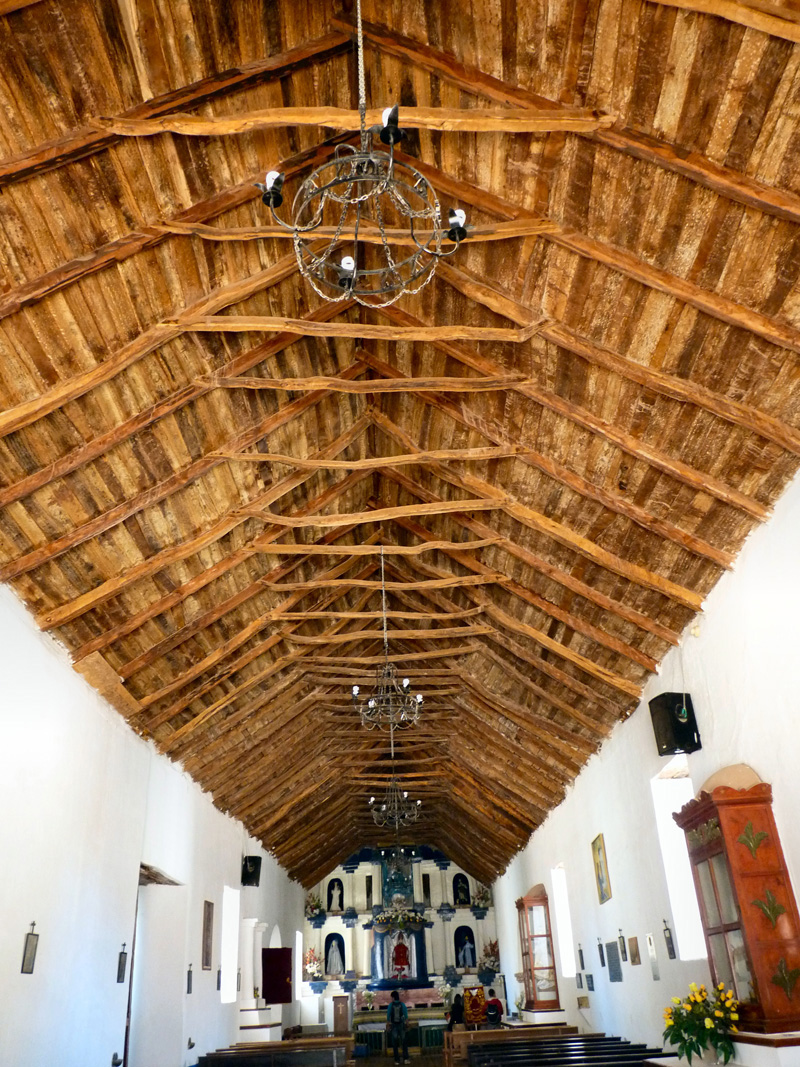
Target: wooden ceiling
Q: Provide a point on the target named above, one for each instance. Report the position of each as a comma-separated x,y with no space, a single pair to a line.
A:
206,547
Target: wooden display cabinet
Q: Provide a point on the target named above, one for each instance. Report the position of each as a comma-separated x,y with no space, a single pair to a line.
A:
747,904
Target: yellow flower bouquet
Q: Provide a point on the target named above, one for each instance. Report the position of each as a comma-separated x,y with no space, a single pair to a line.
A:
702,1020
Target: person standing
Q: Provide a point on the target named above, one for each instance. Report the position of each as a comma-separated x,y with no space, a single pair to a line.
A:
493,1013
397,1025
456,1014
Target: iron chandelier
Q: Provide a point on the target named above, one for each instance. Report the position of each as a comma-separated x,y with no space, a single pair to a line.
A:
387,233
391,705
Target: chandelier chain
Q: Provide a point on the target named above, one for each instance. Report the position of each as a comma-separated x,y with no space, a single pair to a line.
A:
362,85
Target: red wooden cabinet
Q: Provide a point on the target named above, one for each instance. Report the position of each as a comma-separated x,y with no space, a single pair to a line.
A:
747,903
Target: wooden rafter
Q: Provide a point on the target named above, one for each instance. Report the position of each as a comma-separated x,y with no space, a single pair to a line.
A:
355,330
478,120
724,181
743,14
149,497
627,442
78,144
149,236
182,550
557,531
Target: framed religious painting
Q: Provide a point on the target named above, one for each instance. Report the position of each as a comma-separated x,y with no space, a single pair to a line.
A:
601,869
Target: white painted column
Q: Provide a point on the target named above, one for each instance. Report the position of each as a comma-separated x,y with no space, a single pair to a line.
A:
349,955
246,957
258,943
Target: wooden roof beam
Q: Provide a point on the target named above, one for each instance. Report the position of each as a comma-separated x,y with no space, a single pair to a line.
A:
79,144
556,574
168,405
743,14
152,338
156,493
726,182
174,553
551,529
590,694
704,300
355,330
683,390
531,717
445,119
224,652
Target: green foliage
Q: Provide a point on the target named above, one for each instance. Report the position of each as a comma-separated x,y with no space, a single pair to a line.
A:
702,1021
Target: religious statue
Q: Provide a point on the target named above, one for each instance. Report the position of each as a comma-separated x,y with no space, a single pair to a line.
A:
336,896
401,962
334,964
466,957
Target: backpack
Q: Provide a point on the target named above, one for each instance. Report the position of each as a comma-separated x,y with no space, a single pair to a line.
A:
492,1013
397,1012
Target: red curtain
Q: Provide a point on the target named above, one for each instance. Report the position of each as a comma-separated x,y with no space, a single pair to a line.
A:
276,975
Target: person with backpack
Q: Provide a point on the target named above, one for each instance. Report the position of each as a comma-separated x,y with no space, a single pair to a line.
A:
396,1023
494,1011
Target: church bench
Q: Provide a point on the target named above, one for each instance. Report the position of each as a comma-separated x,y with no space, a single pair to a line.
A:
596,1051
457,1042
299,1052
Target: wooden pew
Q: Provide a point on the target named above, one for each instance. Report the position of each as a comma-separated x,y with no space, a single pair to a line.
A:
458,1042
298,1052
597,1051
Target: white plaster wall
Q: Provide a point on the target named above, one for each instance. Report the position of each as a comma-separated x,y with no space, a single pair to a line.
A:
84,801
743,671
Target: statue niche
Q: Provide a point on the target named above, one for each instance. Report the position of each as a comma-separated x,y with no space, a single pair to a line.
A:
464,943
335,893
334,955
461,896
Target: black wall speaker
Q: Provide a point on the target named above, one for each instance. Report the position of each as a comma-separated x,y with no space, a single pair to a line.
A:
674,724
251,870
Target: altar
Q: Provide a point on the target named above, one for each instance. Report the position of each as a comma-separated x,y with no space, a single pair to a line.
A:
399,956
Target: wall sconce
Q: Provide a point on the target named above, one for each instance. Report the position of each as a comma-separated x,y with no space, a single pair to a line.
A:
580,958
601,952
623,950
219,978
122,963
189,979
29,952
669,941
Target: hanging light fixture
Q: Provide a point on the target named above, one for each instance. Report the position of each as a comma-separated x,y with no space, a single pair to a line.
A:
387,227
391,704
396,809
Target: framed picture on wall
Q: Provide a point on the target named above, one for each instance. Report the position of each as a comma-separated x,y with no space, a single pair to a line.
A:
208,933
633,949
601,869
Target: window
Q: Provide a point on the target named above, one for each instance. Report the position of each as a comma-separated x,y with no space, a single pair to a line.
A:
566,946
229,944
671,789
369,892
536,942
426,890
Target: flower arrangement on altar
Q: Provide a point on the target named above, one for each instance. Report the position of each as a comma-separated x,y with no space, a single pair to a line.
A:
490,957
312,967
702,1021
482,897
313,906
445,992
369,999
399,917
